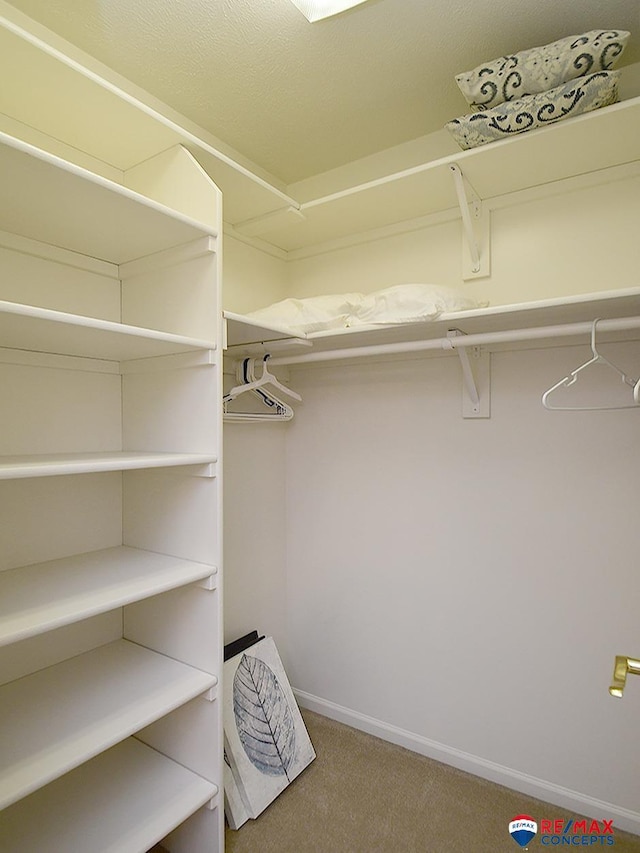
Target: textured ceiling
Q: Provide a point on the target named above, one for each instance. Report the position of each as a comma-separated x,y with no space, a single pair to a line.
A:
297,98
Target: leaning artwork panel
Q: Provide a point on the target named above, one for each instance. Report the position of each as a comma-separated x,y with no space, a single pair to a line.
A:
266,742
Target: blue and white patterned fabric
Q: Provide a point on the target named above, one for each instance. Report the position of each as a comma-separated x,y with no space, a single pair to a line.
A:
533,111
541,68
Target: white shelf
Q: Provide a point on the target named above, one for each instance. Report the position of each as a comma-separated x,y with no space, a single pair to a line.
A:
243,330
99,807
96,644
50,200
26,327
57,464
43,596
604,305
576,146
61,716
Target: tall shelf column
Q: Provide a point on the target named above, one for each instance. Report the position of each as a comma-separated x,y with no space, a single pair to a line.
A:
110,463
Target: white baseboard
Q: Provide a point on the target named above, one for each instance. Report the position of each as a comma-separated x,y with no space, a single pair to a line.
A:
521,782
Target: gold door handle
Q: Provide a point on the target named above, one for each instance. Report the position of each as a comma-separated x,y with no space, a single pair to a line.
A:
622,666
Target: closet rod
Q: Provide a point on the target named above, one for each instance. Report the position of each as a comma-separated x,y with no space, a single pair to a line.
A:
447,343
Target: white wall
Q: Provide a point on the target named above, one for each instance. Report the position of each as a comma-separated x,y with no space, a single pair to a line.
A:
460,586
254,527
252,279
469,581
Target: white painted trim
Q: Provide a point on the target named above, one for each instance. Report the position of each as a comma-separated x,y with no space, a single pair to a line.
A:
67,257
523,783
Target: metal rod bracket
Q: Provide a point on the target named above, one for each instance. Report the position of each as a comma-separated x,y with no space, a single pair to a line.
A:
476,378
476,256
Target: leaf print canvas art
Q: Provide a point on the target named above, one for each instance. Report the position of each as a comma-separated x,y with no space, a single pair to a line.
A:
263,717
266,742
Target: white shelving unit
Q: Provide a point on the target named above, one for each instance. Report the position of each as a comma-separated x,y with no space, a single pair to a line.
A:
43,596
58,717
98,805
110,626
43,330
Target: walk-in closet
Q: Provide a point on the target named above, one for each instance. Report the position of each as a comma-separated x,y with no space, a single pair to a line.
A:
318,371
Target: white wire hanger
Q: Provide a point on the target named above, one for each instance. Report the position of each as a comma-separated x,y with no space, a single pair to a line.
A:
273,407
596,358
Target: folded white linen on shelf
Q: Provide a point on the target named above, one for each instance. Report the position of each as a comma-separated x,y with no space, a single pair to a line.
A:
401,303
313,314
411,303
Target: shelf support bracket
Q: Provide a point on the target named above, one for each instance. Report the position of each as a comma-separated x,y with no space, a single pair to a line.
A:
210,583
212,693
475,228
476,377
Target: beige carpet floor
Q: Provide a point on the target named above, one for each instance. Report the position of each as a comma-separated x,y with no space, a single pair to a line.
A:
364,795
